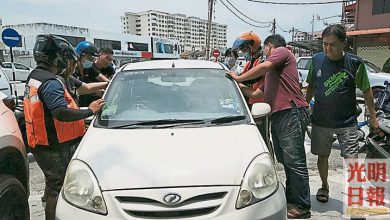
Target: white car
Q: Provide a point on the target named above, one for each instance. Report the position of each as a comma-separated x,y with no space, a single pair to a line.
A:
5,87
175,140
376,76
21,71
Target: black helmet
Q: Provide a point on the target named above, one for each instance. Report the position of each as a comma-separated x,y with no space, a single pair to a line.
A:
53,50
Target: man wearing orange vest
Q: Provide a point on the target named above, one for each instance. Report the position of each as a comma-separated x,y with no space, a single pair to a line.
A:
54,122
249,43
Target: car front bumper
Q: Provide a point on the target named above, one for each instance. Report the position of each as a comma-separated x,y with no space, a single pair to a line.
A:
121,205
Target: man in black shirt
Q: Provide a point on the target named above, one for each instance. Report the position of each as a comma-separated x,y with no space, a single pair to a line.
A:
86,72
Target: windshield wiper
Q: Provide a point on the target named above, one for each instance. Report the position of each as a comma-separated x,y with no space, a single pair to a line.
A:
159,122
166,123
226,119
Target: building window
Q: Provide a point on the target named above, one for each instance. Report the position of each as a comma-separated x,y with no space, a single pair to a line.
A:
112,44
72,40
380,7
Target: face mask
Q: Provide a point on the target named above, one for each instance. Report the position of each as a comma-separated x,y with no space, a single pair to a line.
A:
230,61
248,56
87,64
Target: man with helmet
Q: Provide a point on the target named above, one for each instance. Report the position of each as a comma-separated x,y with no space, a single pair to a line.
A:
54,123
249,43
87,53
289,119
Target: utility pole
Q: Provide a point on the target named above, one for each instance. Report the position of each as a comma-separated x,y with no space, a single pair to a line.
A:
312,28
211,4
292,33
274,27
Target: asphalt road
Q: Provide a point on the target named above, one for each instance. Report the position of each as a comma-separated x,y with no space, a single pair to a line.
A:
331,210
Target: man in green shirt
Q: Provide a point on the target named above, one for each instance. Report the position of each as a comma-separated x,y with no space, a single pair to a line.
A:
333,78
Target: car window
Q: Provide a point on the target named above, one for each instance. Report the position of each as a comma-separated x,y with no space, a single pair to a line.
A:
182,94
303,63
21,66
7,65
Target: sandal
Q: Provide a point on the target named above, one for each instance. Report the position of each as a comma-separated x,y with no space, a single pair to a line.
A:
322,195
298,213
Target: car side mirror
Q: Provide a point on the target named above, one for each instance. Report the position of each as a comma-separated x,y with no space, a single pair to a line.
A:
260,110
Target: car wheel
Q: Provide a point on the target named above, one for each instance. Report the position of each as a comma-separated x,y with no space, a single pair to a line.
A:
13,199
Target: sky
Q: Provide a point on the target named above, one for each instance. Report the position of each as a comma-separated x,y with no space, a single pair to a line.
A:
105,14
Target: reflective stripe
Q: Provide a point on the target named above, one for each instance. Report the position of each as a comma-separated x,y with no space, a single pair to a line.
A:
34,83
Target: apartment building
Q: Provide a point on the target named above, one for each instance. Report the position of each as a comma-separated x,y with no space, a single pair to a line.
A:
189,31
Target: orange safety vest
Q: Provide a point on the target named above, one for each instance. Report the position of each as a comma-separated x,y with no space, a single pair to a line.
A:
42,128
254,85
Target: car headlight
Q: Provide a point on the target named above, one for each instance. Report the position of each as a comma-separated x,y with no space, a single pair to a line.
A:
81,188
260,181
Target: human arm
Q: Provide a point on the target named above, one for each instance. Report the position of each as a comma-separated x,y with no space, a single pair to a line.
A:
87,88
53,97
309,93
310,87
255,72
369,100
251,92
363,83
102,78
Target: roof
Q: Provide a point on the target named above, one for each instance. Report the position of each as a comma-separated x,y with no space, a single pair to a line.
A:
369,32
313,45
167,64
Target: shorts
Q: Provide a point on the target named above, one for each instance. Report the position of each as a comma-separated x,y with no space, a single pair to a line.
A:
322,139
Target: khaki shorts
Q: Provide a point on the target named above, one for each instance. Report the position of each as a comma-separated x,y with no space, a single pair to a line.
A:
322,139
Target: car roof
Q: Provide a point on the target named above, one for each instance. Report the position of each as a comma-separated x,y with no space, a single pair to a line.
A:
169,64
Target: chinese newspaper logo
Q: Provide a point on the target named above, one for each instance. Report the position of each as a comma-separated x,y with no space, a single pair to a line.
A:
366,187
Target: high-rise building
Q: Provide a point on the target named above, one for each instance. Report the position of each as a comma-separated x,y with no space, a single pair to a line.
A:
191,32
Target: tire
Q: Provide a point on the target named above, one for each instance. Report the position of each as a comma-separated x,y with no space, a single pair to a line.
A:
13,199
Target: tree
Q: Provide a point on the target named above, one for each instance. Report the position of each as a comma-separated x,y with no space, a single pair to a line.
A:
386,66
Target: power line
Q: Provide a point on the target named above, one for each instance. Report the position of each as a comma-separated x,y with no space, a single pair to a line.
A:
261,22
242,18
299,3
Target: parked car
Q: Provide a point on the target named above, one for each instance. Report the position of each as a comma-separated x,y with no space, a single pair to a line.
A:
21,71
376,76
174,140
14,173
5,87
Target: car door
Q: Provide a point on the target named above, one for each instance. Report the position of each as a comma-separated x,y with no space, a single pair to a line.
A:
21,71
4,83
7,67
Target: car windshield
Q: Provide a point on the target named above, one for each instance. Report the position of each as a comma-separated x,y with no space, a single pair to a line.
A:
171,96
372,68
304,63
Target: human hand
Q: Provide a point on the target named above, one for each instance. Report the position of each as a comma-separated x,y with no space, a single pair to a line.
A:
97,105
374,125
233,75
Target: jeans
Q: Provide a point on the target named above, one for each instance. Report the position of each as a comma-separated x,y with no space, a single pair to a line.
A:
288,129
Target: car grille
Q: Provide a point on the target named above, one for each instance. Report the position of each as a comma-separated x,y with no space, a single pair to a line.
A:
194,206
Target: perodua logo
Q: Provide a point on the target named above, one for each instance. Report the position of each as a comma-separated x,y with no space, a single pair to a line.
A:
172,198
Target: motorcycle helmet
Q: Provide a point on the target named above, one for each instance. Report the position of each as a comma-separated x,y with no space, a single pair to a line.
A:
247,39
86,47
53,50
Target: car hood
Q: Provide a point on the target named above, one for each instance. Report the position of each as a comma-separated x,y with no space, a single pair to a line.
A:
145,158
378,79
